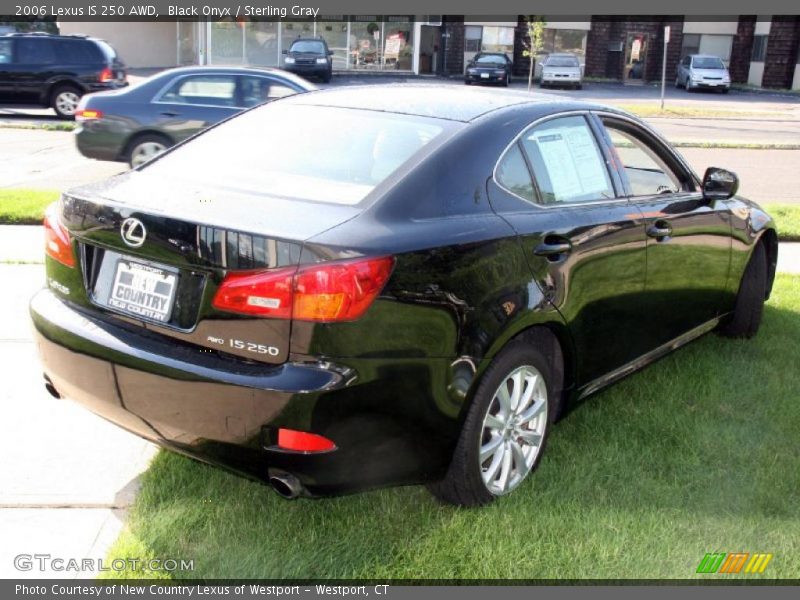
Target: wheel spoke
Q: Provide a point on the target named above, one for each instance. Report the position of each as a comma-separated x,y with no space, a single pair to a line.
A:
525,401
505,472
493,422
516,391
534,411
534,438
504,400
490,447
520,461
497,460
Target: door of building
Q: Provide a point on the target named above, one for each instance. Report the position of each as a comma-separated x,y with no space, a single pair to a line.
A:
635,58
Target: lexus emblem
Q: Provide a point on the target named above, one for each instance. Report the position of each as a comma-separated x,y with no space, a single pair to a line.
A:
133,232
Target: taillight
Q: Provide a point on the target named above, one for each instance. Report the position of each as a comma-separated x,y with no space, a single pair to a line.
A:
88,114
106,75
329,292
57,244
300,441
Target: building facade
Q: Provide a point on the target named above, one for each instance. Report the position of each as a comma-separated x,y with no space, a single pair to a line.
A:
762,51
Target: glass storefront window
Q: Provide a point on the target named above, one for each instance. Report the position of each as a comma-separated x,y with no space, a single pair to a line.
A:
398,47
261,43
226,43
498,39
334,31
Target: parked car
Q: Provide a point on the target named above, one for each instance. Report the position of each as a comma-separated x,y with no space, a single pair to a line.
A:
489,67
561,69
697,71
383,285
135,124
309,57
56,70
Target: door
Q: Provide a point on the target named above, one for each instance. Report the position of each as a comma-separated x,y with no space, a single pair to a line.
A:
635,58
193,102
584,241
688,238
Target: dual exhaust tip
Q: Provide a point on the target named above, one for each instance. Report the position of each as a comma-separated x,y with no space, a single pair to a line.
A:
287,486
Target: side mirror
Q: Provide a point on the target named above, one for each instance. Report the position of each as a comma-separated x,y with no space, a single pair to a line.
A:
285,52
541,64
719,184
330,52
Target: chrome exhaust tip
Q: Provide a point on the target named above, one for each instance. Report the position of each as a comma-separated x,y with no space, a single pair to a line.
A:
286,486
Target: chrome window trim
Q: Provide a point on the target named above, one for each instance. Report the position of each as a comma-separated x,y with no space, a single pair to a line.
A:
586,113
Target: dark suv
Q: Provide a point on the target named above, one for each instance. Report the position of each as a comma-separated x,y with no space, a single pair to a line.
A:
56,70
309,57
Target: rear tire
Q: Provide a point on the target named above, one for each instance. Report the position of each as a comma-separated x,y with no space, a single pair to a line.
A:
144,147
64,100
746,317
511,439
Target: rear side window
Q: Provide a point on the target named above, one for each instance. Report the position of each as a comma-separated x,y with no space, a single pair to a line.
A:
31,51
513,174
76,52
257,90
567,163
210,90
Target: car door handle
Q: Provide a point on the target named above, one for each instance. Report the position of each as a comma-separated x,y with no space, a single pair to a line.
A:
552,249
659,229
169,113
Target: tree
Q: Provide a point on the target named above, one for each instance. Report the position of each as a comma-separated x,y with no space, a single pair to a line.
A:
534,43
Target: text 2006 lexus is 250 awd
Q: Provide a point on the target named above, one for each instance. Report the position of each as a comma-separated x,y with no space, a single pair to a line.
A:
385,285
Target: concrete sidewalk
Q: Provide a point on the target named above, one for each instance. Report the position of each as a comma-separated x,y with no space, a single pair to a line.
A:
69,476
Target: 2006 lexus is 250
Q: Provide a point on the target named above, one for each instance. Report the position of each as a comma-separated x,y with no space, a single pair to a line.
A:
384,285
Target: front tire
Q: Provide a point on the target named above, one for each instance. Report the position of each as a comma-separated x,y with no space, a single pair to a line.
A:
505,430
64,100
746,317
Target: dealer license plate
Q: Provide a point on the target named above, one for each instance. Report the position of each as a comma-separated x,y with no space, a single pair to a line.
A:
143,290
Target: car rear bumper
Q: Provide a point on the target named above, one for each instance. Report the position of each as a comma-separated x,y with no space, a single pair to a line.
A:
227,412
95,141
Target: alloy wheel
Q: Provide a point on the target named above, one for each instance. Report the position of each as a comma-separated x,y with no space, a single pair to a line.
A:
145,151
67,102
513,430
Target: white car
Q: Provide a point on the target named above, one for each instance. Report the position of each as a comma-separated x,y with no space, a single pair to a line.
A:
561,69
697,71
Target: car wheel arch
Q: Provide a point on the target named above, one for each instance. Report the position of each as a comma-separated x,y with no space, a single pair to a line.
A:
770,240
59,83
552,338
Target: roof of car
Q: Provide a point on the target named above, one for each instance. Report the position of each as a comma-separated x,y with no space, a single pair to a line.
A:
562,54
439,101
705,56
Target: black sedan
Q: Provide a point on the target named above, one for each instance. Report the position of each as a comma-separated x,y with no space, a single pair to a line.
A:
489,67
135,124
406,284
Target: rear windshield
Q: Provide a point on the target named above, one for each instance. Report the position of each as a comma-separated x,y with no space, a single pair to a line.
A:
315,153
562,61
707,63
308,46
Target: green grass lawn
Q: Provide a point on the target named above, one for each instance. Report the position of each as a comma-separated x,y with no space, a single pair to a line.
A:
698,453
787,220
678,111
24,206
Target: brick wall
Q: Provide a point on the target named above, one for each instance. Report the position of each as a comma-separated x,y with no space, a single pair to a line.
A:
739,65
454,50
597,47
781,52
